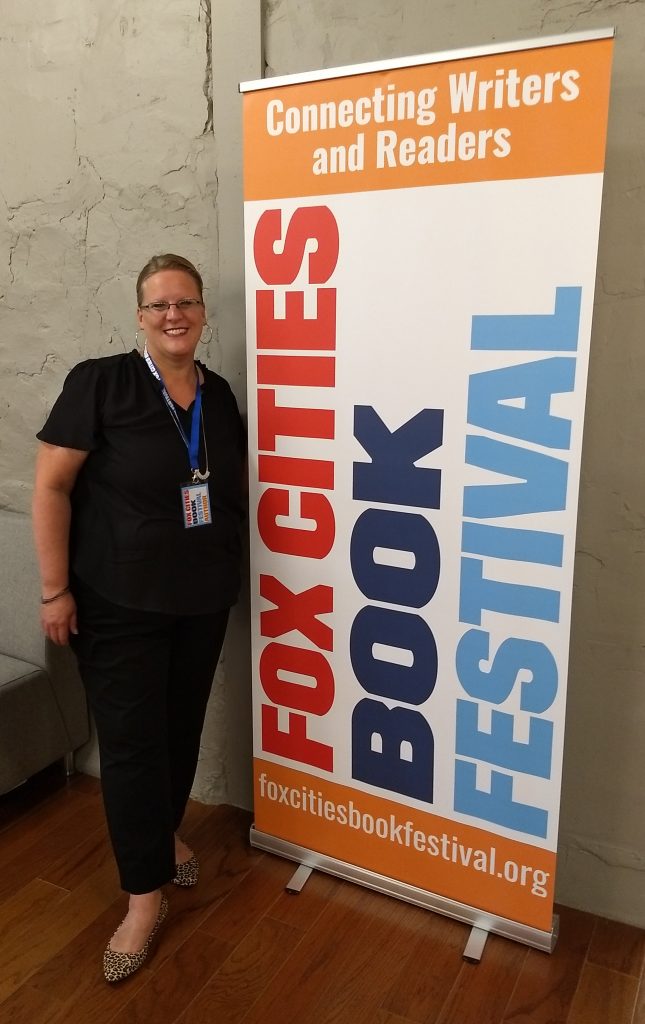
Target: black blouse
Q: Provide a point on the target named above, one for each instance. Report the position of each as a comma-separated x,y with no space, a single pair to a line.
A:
128,539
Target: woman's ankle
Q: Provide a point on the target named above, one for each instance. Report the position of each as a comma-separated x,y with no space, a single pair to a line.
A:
183,852
145,902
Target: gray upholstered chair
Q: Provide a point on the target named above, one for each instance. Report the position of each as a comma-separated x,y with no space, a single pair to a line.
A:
43,711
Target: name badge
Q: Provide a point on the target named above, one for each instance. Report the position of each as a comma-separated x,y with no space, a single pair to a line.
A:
196,506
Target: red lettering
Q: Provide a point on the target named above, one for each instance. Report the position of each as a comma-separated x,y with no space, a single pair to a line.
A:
294,330
280,469
300,661
297,611
285,421
289,540
308,223
294,743
310,371
309,243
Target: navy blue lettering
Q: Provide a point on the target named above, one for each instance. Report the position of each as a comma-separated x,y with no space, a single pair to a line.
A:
392,476
396,531
410,683
398,732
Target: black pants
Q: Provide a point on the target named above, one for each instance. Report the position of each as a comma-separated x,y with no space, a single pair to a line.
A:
148,678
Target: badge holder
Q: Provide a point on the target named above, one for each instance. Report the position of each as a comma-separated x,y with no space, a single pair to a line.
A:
195,503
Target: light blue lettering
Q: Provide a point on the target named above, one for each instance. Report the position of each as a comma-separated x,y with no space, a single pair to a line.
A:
480,594
534,382
497,806
514,655
517,545
552,332
544,486
498,746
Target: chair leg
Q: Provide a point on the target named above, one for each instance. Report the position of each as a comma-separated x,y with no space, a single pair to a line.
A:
70,767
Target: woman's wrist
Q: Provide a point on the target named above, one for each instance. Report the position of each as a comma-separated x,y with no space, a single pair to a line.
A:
47,599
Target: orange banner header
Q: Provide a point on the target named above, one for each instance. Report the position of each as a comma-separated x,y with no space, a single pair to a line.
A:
522,114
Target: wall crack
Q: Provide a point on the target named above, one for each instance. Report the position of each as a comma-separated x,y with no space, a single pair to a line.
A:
49,358
205,10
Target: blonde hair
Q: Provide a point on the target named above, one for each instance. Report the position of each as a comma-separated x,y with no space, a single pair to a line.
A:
168,261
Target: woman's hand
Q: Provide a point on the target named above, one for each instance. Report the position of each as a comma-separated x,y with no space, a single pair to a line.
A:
58,619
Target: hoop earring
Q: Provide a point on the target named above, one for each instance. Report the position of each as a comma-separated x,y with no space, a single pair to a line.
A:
136,342
210,337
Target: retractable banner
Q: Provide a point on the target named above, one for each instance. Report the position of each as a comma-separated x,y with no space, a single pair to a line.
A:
421,245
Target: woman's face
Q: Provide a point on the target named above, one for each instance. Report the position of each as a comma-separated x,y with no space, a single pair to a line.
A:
172,334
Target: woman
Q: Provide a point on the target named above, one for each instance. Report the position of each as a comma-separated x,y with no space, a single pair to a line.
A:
137,505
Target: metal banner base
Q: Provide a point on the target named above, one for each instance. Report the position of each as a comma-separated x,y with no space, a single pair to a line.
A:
482,923
475,945
297,881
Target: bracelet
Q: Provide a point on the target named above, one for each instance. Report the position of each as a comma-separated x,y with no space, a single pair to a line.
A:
48,600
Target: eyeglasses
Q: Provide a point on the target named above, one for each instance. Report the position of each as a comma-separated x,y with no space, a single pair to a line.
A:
183,306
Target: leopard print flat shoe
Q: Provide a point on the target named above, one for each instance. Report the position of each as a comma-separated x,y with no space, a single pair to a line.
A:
118,966
187,874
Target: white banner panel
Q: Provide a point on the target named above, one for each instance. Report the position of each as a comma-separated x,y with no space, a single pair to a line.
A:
421,258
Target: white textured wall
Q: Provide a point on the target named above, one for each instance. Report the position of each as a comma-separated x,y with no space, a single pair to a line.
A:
602,849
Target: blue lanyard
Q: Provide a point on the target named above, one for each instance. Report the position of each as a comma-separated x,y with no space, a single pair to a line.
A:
193,444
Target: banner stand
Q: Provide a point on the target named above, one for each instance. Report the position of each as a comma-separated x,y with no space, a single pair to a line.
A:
482,924
421,239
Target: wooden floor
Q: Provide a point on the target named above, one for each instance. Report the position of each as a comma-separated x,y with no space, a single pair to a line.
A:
237,948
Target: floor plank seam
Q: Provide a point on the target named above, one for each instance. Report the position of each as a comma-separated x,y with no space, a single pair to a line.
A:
63,888
304,933
514,987
455,986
